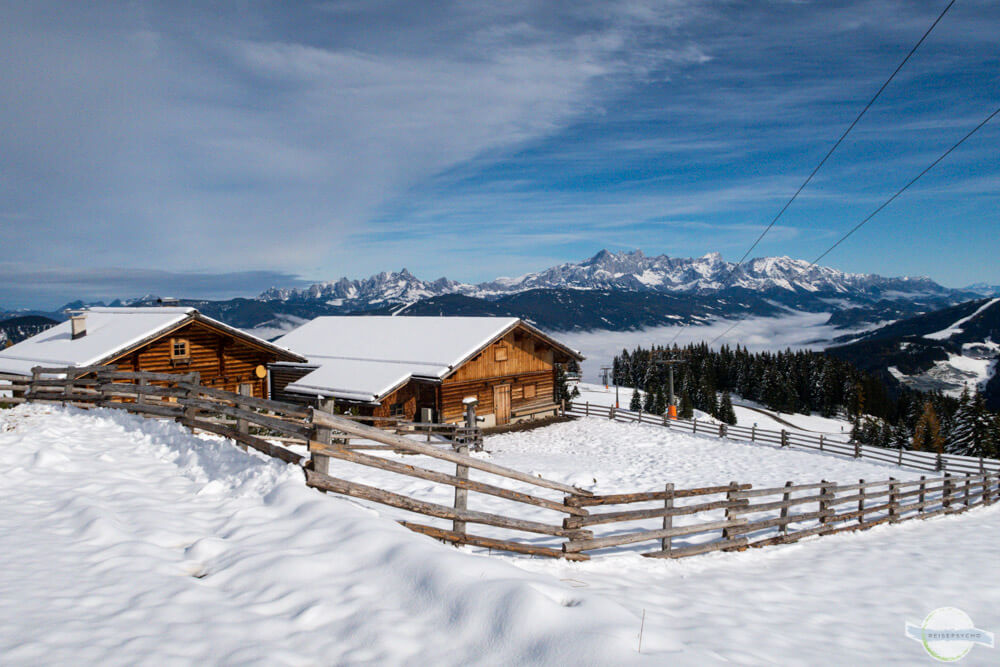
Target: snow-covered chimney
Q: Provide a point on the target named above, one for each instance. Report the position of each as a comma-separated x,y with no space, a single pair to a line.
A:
78,322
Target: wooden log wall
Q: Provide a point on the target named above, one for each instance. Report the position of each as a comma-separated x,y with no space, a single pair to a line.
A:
224,361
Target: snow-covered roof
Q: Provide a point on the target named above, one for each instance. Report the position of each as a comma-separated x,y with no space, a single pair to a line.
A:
364,358
110,332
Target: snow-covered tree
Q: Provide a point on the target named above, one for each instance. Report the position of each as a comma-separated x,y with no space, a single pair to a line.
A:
636,403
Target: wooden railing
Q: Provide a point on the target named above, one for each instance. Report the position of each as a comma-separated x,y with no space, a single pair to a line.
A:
928,461
540,516
738,516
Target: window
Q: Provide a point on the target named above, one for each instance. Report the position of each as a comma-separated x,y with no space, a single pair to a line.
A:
500,353
180,349
529,391
396,410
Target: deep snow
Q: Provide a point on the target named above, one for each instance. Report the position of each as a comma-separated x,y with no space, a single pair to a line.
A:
126,541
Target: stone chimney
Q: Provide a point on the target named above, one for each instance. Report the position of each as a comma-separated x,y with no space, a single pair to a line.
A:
78,322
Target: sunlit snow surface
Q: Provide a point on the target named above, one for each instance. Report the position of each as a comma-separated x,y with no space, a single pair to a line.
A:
126,541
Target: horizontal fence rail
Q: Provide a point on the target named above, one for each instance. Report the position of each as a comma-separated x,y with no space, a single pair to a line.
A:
928,461
526,513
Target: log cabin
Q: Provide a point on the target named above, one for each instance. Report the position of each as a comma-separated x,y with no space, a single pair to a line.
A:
162,340
423,368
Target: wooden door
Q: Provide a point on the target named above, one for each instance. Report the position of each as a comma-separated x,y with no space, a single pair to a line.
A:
501,403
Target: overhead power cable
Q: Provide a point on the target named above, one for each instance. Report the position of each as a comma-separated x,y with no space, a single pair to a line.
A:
879,208
826,157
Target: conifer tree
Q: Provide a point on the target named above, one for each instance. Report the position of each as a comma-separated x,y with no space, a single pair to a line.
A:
649,401
927,434
636,403
659,402
686,409
726,411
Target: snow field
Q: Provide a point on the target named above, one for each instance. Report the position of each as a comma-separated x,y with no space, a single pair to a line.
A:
130,541
126,541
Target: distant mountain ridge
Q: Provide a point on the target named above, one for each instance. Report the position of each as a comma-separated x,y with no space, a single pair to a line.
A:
612,291
623,271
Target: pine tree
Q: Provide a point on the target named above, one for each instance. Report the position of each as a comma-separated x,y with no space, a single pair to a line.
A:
726,411
659,402
636,403
961,433
927,434
686,409
649,401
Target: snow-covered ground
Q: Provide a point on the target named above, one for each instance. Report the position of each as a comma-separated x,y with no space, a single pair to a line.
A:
748,413
125,542
128,541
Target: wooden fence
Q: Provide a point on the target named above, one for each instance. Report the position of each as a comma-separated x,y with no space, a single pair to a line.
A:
541,517
929,461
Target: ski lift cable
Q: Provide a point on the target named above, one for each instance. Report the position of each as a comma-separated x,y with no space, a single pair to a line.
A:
878,209
826,157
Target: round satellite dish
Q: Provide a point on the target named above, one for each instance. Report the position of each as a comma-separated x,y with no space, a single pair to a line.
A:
261,372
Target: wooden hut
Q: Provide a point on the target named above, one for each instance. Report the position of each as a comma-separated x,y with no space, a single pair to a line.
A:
423,368
162,340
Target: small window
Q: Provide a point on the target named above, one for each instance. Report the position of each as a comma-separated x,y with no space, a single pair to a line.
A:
396,410
500,354
529,391
179,348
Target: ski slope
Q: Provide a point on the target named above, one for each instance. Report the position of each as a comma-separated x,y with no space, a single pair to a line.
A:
130,541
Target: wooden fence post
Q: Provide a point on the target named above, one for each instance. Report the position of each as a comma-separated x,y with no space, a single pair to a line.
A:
730,497
784,508
668,519
784,438
893,501
861,502
722,430
922,494
939,462
694,429
900,461
946,491
586,409
820,442
140,398
461,495
823,501
36,375
753,433
857,449
968,484
324,436
987,490
611,413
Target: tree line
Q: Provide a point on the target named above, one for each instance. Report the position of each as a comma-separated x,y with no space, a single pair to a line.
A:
808,382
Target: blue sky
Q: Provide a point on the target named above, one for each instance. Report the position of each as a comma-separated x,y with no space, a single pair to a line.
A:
215,149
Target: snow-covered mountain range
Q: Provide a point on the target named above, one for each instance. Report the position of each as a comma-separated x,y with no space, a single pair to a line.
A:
624,271
609,291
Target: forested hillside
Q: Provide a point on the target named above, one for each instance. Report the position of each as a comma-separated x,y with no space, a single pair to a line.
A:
808,382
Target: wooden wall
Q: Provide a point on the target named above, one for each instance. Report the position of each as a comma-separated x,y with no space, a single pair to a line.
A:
452,393
224,361
282,376
530,360
413,395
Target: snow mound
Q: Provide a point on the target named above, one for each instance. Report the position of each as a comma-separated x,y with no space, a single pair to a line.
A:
129,541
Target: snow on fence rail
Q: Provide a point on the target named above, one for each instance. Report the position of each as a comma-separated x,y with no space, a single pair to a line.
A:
929,461
729,517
